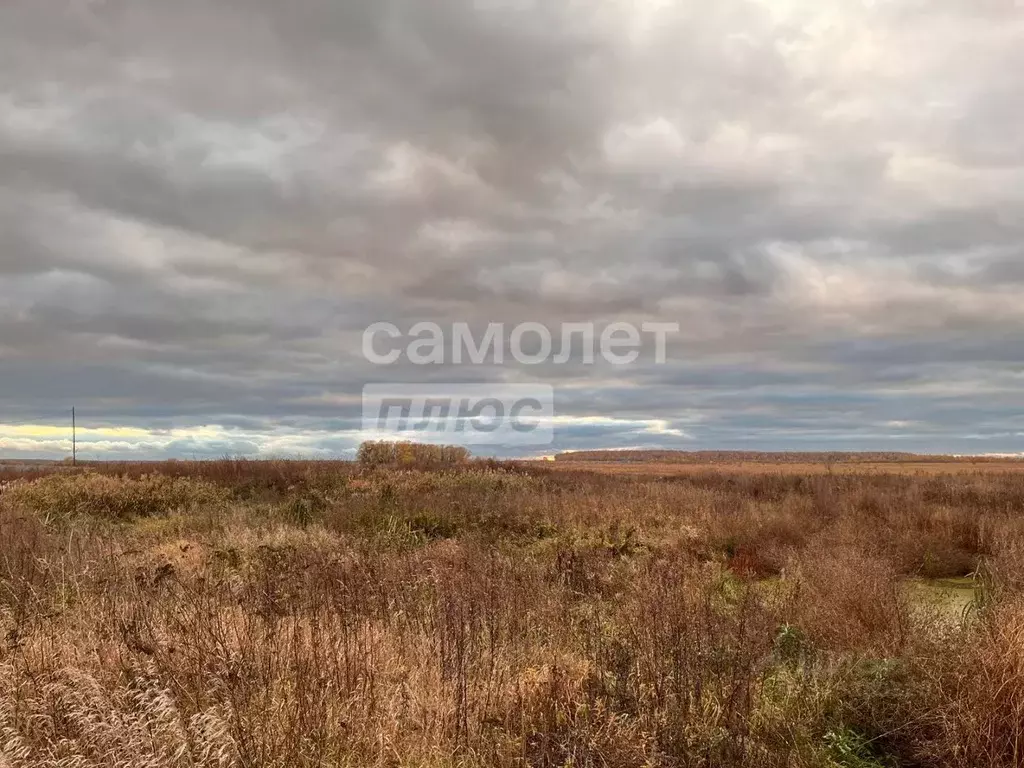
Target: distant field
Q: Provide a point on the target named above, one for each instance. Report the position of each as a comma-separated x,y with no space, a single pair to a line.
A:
21,464
648,463
774,457
908,466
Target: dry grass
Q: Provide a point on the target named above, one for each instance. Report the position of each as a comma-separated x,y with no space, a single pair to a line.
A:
304,614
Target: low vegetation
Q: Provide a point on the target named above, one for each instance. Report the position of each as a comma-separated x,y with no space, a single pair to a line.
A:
448,612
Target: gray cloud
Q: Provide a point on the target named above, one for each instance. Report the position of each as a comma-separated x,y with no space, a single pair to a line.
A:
203,204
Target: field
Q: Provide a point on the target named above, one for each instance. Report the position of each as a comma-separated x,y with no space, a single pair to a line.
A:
831,613
908,467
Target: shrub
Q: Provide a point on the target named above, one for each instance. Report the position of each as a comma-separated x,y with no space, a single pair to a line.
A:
25,548
410,455
848,600
118,498
977,714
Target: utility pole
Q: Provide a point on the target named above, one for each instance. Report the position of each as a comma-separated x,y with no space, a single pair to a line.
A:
74,440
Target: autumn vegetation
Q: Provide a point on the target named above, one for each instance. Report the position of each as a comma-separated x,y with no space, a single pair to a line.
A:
418,608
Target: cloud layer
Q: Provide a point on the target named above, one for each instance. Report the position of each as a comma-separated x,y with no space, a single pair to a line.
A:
202,205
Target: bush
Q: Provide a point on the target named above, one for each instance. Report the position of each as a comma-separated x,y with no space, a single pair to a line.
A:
406,454
25,546
118,498
848,600
978,696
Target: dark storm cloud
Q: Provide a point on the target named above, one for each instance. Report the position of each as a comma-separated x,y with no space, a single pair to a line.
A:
203,204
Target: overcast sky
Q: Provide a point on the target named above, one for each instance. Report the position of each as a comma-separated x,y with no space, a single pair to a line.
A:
204,203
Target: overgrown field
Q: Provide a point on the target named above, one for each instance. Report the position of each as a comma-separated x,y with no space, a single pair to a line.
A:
305,614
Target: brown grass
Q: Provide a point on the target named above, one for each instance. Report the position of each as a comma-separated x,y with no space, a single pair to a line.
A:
302,614
805,467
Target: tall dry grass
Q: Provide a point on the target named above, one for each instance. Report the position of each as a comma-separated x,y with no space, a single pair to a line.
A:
236,614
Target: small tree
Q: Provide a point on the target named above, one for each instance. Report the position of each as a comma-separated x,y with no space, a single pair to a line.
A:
383,453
